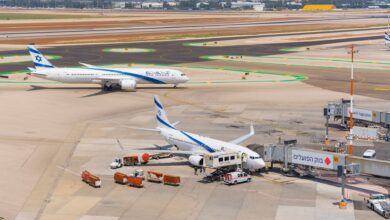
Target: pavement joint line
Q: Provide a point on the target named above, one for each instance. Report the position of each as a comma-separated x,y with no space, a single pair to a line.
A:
128,50
214,57
382,89
205,43
287,131
49,57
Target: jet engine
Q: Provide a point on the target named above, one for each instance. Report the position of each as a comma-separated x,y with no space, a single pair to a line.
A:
196,160
128,85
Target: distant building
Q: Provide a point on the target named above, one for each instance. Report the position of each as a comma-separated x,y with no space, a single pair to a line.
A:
319,7
120,4
245,5
155,5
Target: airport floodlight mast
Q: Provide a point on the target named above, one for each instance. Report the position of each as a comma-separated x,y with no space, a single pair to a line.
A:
350,138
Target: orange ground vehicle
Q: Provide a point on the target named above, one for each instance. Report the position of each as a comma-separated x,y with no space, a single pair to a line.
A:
136,160
153,176
120,178
135,181
171,180
91,179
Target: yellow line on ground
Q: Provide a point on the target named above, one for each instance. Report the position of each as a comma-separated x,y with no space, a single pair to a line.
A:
382,89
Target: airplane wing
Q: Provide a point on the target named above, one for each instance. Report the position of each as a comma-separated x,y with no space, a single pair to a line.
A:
159,151
31,69
87,65
245,137
143,129
165,147
173,152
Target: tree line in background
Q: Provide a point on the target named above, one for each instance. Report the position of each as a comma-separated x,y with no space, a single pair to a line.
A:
189,4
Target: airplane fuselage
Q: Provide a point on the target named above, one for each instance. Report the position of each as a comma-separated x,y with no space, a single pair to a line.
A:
102,75
192,142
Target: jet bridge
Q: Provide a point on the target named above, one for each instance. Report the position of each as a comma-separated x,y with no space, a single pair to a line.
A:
364,117
291,155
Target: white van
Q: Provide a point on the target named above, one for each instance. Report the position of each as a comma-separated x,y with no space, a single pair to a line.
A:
236,177
369,154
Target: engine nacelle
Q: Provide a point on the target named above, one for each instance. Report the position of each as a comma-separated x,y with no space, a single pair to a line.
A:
196,160
128,85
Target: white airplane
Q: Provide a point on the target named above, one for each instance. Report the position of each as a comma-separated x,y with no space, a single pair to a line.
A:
194,146
387,39
126,78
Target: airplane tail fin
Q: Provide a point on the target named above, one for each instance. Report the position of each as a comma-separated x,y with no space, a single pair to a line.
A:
387,38
39,60
161,116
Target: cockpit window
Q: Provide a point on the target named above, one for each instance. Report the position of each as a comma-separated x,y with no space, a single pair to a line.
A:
183,74
252,157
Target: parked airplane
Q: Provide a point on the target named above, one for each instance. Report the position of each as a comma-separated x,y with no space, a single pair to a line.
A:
126,78
387,39
194,146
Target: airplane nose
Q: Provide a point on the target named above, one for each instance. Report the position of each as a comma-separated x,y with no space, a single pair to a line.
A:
185,78
260,163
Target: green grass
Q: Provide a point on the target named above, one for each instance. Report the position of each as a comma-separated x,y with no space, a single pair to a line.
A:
19,16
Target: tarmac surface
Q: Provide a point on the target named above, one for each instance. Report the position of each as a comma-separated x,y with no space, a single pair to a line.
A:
51,132
175,52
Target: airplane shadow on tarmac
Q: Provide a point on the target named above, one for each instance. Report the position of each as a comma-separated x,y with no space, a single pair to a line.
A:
100,91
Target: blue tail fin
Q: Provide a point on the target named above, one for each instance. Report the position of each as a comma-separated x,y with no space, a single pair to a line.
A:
387,38
39,60
161,116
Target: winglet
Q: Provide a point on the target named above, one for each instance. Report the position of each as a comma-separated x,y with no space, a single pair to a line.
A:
245,137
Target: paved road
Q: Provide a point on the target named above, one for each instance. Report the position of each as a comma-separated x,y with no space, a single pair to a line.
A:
168,28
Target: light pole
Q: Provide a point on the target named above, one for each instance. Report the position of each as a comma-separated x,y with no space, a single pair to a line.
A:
350,147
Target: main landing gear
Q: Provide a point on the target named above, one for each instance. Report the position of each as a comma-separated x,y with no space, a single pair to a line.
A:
107,87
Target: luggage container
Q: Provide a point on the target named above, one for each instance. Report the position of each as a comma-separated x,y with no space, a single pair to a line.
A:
130,160
135,181
136,160
153,176
91,179
137,173
120,178
171,180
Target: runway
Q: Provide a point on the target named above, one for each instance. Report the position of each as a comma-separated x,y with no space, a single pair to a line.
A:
169,28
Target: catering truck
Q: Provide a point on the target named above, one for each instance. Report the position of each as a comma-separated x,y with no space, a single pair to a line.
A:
380,204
